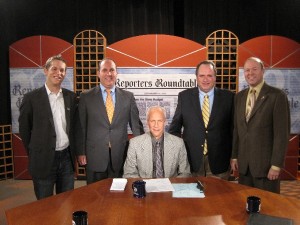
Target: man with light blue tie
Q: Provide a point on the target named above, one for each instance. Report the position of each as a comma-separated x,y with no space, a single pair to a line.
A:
206,115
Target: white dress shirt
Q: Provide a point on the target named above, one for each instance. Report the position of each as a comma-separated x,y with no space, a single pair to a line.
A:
59,117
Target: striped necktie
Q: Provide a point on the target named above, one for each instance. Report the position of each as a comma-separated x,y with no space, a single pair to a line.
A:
250,104
158,161
109,105
205,115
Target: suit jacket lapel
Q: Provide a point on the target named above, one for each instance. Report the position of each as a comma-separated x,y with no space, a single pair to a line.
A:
44,100
242,109
168,154
260,99
196,104
99,103
67,103
146,149
215,107
118,107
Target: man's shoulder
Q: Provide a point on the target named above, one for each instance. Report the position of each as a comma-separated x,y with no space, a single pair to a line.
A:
273,89
241,92
189,91
225,92
123,92
140,139
173,138
69,92
90,91
36,92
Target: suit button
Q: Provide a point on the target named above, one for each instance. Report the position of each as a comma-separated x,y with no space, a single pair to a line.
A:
206,132
202,146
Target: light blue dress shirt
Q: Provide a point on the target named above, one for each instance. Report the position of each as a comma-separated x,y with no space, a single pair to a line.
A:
104,94
210,94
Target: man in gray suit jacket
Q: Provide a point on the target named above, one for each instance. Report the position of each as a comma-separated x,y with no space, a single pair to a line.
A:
47,126
104,142
261,132
145,160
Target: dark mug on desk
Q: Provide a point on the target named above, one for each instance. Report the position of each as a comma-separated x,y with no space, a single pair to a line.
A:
80,218
253,204
139,189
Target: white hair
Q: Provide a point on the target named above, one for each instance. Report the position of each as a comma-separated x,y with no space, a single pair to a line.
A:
156,108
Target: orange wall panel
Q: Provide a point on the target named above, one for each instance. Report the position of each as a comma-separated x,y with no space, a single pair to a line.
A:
34,51
155,50
275,51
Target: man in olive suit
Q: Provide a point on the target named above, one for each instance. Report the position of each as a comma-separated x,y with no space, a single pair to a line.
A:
261,130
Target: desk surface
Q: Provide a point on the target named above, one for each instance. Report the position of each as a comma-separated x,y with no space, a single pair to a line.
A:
224,203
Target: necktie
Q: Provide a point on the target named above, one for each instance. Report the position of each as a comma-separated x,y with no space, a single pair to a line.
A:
109,105
205,115
250,104
158,162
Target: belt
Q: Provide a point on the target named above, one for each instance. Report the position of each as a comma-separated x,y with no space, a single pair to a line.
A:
62,151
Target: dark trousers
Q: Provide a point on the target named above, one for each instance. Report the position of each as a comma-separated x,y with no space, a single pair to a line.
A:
205,171
61,176
94,176
260,182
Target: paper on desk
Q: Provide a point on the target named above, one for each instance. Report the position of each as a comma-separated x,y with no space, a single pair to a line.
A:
187,191
158,185
118,184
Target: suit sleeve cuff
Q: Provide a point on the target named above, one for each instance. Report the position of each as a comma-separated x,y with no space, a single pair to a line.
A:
275,168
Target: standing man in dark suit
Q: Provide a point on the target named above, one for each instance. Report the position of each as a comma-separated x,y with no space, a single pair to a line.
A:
261,130
105,112
208,145
46,125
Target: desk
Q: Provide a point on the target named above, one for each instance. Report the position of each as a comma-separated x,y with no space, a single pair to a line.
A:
224,204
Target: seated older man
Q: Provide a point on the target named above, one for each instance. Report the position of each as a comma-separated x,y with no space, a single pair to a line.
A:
156,154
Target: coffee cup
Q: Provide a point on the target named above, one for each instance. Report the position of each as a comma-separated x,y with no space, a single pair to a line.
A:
80,218
253,204
139,189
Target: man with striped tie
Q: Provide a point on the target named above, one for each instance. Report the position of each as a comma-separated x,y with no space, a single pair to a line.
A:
206,115
261,130
156,154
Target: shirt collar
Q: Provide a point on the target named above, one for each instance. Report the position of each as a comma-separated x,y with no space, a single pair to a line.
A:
103,88
49,92
154,140
210,93
257,88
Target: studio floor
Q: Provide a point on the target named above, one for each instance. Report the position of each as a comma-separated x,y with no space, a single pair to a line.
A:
14,193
